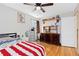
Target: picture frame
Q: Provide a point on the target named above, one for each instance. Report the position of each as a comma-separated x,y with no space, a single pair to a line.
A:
20,17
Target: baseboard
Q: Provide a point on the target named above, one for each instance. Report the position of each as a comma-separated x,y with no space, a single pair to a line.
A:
67,45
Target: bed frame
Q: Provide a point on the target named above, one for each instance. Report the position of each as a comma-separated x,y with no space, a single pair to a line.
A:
8,35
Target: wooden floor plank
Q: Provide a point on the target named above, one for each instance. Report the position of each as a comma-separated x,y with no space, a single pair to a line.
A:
54,50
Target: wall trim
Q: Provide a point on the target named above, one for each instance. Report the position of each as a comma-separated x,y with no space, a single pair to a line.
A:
67,45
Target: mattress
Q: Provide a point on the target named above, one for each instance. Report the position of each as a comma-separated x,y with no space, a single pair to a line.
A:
23,48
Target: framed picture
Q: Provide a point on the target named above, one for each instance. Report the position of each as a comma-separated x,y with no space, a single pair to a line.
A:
20,17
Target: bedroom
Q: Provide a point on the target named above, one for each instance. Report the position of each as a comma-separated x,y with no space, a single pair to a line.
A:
19,22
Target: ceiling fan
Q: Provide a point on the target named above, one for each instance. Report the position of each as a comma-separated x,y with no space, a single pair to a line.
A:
39,5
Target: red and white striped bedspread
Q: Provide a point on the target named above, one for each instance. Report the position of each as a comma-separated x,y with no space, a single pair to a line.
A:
23,49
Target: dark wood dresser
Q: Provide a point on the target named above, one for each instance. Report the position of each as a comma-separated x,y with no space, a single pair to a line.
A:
53,38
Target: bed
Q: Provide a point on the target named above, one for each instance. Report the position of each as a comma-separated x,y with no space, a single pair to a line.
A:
7,37
10,45
23,48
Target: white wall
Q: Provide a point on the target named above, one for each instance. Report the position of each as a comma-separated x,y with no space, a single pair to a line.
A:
68,31
8,21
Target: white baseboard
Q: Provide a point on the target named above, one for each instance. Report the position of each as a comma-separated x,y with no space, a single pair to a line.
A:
68,45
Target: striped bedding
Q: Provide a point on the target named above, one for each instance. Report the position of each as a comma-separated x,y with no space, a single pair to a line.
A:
23,49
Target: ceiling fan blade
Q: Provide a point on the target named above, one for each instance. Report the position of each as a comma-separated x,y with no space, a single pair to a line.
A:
42,10
31,4
47,4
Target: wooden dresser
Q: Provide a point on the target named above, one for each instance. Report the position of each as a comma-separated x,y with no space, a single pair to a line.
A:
51,30
53,38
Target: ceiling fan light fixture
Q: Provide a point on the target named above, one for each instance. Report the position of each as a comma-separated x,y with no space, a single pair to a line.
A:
38,8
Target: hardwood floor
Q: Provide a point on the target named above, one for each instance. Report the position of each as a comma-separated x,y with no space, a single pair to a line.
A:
54,50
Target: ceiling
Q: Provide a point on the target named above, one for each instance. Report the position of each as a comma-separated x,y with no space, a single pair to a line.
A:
62,9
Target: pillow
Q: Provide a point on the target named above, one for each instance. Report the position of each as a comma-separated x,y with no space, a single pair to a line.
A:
7,44
11,43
